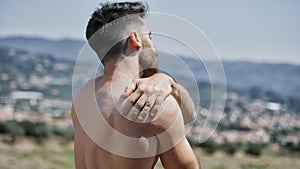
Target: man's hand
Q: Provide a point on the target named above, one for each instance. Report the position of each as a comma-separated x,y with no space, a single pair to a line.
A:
147,95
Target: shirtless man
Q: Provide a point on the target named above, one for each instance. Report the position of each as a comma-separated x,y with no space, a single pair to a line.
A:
145,110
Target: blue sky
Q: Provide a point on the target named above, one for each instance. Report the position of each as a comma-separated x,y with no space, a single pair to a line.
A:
254,30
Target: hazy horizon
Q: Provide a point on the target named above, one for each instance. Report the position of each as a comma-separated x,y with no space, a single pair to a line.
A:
256,31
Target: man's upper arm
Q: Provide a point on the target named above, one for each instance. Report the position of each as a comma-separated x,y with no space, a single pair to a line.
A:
179,157
171,137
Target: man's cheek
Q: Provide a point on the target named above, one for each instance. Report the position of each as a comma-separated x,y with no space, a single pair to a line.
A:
148,64
146,59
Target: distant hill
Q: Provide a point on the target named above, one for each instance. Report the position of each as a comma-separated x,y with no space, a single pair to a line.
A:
64,48
281,78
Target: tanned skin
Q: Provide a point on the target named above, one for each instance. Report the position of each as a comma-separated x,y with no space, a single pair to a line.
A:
89,155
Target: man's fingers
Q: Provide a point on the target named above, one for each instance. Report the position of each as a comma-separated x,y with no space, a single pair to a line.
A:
135,96
126,106
141,101
131,87
146,109
159,101
133,113
143,108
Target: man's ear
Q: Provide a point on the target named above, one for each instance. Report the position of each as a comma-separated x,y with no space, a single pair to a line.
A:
135,40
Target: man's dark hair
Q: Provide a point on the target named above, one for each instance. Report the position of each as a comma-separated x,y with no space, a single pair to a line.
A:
110,12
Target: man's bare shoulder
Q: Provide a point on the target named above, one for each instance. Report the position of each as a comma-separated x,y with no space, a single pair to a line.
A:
90,84
85,96
168,115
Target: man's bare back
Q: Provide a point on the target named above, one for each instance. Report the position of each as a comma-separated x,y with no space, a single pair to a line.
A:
90,155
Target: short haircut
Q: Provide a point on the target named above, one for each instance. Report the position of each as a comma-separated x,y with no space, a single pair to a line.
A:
110,12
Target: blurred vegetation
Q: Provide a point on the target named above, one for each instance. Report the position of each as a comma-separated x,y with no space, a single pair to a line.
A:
12,128
64,133
209,146
39,131
230,148
253,149
254,166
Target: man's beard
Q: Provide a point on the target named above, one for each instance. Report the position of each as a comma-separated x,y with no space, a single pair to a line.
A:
148,60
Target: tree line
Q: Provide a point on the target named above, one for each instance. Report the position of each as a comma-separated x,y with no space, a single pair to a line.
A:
250,148
39,131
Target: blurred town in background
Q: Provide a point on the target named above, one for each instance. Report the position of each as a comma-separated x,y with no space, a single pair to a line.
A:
258,42
262,105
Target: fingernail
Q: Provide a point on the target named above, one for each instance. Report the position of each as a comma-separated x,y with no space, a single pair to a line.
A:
152,114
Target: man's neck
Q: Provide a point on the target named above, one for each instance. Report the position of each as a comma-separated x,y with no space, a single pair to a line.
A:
121,72
128,65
